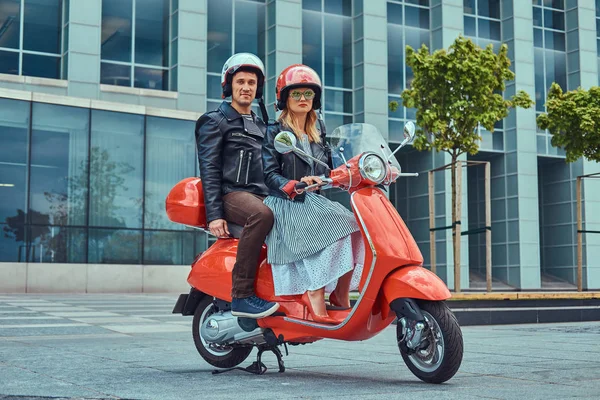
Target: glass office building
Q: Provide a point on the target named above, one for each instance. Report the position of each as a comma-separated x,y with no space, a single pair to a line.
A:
98,101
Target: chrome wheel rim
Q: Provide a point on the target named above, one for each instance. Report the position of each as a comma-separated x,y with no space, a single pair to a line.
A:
430,358
212,348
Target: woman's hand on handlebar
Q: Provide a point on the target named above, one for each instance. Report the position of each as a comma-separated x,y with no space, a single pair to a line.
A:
312,180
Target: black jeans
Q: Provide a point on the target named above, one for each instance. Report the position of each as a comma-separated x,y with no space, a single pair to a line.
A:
248,210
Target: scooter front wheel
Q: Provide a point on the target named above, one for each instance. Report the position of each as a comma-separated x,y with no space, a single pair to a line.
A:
440,354
220,357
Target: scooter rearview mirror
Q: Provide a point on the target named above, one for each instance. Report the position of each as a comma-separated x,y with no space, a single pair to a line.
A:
285,142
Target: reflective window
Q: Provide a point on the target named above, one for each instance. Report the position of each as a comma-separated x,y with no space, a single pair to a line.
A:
116,169
74,188
116,30
59,165
327,47
249,35
407,25
42,26
57,244
170,157
312,52
33,29
550,59
14,136
138,39
482,22
115,246
338,52
169,248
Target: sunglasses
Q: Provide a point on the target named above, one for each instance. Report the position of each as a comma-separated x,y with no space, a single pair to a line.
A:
308,94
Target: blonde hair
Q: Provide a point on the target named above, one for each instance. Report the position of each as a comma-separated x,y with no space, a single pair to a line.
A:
289,119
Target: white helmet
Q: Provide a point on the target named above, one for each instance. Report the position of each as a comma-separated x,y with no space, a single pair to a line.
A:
242,62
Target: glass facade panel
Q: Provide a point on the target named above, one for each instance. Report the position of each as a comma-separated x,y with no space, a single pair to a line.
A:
170,157
169,248
41,66
488,8
72,189
314,5
57,244
9,62
59,165
339,7
550,61
115,246
115,74
395,59
151,78
10,22
42,26
152,33
338,52
117,18
311,41
14,136
339,101
249,28
412,31
417,17
219,33
35,29
116,169
136,34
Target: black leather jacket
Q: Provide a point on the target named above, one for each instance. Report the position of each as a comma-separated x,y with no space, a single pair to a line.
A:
229,154
281,168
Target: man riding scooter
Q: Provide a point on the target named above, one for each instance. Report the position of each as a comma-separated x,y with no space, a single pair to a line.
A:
229,142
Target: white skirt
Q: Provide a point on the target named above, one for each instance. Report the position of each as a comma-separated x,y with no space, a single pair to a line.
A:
322,269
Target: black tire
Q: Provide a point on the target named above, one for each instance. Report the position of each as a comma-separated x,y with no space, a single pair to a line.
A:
452,349
230,357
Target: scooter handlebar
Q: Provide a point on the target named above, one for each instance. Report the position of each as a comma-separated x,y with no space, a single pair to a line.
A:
302,187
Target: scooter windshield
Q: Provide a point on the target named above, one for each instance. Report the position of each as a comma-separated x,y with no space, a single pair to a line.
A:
356,139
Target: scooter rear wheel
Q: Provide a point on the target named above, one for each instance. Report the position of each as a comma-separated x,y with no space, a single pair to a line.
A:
225,357
440,359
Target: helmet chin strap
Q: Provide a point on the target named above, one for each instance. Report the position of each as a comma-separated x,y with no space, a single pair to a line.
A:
263,110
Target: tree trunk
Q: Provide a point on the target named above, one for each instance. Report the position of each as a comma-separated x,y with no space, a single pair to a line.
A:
456,169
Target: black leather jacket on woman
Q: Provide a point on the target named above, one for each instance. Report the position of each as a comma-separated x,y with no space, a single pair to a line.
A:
230,156
280,169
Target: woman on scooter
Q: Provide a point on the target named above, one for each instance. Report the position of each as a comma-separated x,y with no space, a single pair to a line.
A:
315,244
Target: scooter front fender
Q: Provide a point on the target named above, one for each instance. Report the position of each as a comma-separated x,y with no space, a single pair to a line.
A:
414,282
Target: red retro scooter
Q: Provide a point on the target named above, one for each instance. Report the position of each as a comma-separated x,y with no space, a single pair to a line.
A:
393,284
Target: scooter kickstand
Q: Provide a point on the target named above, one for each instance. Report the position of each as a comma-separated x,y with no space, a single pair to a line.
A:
258,367
279,356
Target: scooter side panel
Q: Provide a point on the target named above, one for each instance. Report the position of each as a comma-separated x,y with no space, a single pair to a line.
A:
393,243
415,283
211,273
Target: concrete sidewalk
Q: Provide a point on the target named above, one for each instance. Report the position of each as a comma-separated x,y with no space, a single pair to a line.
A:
131,347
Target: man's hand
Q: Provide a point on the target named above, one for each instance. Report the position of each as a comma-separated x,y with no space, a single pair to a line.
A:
311,180
218,227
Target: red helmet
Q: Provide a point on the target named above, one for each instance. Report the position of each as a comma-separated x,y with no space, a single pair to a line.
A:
294,76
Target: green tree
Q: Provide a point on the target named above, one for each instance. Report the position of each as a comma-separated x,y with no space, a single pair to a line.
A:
454,92
573,119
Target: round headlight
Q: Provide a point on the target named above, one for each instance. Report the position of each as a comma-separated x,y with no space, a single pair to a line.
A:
372,167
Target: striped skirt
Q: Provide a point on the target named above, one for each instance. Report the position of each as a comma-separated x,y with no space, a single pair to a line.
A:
312,244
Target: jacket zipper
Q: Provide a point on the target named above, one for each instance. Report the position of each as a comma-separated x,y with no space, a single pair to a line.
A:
240,166
238,134
248,169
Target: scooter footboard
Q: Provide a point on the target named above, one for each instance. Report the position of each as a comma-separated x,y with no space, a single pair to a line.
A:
414,282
